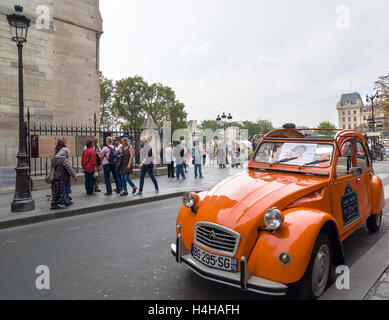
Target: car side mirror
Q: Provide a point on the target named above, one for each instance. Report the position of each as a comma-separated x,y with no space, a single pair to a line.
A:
356,171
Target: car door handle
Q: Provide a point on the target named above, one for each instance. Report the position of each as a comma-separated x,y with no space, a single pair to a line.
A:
358,179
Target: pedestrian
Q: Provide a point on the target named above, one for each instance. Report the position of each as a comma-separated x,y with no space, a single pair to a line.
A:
117,142
204,155
125,168
179,154
61,180
108,160
221,156
89,165
197,159
169,160
64,152
146,164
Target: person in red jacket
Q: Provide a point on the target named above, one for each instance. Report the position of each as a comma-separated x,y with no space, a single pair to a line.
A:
89,164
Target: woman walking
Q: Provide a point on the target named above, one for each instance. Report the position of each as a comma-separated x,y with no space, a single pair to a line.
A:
61,180
125,168
146,165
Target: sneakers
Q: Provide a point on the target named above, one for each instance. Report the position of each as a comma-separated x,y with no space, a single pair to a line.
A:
134,190
139,193
108,194
124,194
156,190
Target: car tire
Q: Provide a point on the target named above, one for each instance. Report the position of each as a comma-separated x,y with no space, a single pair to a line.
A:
373,223
318,274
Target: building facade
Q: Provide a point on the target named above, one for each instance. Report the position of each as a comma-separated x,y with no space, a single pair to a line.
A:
354,114
61,67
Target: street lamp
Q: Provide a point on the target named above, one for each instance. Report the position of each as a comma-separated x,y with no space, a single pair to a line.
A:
22,201
371,99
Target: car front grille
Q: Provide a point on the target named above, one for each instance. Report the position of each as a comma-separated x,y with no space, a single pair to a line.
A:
217,238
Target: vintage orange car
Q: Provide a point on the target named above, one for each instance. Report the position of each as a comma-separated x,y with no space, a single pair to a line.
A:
277,228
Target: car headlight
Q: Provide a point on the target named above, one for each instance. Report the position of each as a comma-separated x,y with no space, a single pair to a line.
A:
188,199
273,219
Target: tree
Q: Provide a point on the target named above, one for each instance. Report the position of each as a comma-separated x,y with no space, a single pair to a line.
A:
325,125
382,85
108,115
130,101
257,127
209,124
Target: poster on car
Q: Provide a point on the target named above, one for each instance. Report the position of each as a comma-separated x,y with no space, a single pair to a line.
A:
304,153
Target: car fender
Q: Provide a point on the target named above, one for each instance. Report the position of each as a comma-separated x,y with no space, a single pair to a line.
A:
377,195
297,236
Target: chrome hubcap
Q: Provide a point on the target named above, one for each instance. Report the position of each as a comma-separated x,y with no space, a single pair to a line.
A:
321,270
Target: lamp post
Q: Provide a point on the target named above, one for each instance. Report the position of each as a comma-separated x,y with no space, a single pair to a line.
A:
224,122
371,99
22,201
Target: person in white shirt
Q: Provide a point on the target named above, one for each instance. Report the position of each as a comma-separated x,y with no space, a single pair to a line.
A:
169,160
180,156
146,164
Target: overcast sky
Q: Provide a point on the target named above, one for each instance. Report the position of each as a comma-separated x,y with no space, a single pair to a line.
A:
279,60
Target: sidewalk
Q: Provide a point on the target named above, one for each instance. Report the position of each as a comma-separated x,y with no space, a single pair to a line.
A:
169,188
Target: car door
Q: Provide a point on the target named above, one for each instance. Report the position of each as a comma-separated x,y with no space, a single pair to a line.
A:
345,197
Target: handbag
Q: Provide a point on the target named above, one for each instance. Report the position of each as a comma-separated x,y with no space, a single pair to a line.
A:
50,176
95,175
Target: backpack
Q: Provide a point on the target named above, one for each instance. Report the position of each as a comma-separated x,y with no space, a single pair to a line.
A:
114,156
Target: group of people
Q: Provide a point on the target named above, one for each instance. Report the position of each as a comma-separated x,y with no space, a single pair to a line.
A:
115,158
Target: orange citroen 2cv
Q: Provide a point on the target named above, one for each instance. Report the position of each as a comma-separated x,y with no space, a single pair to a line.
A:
278,227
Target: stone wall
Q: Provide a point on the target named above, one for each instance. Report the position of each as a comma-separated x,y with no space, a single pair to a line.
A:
60,68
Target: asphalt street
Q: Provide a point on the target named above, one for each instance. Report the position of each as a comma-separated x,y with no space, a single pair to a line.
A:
121,254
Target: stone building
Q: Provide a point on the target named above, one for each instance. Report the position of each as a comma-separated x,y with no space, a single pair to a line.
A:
61,67
353,113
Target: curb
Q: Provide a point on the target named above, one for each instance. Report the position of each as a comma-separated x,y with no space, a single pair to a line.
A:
81,211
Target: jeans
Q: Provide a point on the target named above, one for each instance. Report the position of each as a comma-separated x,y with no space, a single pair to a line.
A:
198,168
108,169
147,168
180,170
118,187
124,179
170,170
89,182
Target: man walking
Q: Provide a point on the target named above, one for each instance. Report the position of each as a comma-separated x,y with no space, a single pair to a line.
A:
179,154
89,165
169,160
197,159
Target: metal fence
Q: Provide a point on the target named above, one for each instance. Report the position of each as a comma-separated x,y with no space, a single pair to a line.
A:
41,165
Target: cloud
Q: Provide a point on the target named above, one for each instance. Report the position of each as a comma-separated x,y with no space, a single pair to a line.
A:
193,53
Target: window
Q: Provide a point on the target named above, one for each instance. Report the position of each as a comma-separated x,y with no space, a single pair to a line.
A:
355,111
344,119
355,118
344,126
364,117
349,112
342,113
363,160
349,126
349,119
344,161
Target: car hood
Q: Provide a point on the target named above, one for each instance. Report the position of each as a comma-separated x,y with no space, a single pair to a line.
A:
244,198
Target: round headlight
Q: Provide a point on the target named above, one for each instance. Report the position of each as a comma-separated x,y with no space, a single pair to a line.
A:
273,219
188,199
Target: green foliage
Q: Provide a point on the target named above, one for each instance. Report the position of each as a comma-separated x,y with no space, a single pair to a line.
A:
108,116
325,125
209,124
127,102
257,127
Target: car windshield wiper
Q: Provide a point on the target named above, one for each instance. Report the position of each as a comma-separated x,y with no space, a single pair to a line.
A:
283,160
313,162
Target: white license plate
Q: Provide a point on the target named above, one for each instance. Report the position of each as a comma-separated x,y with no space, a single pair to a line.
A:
215,260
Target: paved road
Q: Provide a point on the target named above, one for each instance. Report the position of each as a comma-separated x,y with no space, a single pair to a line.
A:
120,254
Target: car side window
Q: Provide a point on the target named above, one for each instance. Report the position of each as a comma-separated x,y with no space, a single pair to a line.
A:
344,160
363,160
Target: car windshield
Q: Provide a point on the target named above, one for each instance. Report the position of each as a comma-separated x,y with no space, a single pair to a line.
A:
295,153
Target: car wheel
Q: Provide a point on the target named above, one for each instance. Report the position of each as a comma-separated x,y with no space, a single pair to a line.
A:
373,223
316,277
